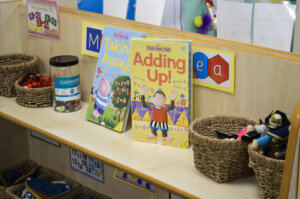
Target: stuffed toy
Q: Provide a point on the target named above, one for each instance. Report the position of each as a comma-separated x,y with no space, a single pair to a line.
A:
274,133
221,135
202,23
254,132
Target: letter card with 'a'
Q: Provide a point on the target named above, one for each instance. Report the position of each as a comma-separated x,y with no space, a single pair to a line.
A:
213,68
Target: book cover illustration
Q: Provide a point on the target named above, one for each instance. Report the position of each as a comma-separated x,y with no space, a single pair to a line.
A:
161,92
109,101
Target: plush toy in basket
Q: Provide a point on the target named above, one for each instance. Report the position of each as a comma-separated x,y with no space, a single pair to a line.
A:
218,151
267,152
34,91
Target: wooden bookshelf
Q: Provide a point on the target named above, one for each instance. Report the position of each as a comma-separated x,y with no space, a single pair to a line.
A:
265,79
168,167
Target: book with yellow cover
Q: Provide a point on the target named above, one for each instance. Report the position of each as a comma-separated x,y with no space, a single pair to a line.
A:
161,79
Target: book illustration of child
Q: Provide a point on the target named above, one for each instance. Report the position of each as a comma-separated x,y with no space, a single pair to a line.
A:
101,97
159,114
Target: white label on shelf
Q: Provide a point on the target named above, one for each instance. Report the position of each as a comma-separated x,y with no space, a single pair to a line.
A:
87,165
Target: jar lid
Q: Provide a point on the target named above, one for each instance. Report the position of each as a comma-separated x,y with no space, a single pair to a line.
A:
63,60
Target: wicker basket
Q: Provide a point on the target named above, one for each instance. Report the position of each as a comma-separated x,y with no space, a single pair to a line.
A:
33,97
22,167
44,173
12,67
5,195
221,160
268,172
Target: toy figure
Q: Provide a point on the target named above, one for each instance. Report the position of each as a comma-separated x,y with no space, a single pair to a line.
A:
101,97
253,132
221,135
274,139
159,115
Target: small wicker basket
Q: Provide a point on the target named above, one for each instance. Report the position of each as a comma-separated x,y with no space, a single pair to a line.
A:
12,67
221,160
268,172
33,97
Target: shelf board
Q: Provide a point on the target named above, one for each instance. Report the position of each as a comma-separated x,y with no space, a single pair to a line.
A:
168,167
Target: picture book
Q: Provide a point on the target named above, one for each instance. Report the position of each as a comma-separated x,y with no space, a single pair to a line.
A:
109,102
161,79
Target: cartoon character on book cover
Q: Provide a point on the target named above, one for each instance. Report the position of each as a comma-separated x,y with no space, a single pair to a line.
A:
159,112
160,84
110,95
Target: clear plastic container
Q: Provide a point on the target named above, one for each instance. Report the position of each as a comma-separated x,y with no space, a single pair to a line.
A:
66,81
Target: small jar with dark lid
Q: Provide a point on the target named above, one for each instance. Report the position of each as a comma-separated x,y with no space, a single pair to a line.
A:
66,81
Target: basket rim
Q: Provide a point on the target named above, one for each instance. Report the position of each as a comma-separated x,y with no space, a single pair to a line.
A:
215,140
268,162
6,67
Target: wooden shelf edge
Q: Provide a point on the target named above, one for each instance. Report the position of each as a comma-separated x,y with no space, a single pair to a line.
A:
291,149
100,157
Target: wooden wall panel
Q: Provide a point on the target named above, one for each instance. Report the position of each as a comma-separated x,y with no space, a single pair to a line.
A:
13,144
9,28
58,159
265,80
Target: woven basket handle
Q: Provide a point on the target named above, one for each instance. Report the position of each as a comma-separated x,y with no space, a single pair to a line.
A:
250,164
25,79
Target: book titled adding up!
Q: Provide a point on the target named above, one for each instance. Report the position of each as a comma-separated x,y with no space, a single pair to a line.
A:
161,91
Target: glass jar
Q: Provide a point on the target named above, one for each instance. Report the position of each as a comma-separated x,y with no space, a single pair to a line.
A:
66,81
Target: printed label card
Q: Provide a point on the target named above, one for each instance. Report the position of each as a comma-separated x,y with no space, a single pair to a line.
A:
235,20
115,8
87,165
269,17
43,19
213,69
150,11
135,181
91,38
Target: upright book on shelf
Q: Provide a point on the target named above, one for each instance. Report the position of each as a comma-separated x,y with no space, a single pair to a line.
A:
161,73
109,102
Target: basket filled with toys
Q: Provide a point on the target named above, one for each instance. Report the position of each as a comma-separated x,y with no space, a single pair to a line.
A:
34,91
12,67
218,149
16,174
42,183
267,153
